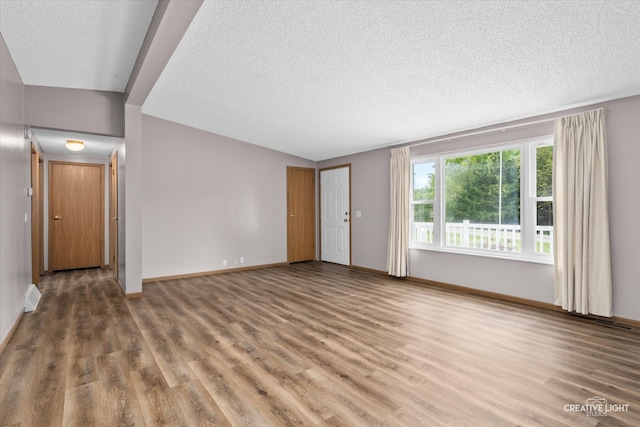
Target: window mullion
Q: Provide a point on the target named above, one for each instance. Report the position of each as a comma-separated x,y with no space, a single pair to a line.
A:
528,205
438,207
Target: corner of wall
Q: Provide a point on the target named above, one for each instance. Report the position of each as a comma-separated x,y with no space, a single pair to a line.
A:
15,207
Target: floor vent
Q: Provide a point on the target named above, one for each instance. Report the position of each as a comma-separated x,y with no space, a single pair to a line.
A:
615,325
31,299
603,322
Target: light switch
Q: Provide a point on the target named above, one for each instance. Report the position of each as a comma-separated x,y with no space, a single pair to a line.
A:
358,214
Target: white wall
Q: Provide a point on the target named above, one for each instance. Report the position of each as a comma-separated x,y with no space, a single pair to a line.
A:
207,198
15,161
370,175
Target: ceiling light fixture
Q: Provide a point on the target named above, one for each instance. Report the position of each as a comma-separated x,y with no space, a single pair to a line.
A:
75,145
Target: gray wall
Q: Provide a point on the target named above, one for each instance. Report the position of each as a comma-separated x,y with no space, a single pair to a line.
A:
207,197
623,133
370,190
77,110
15,232
132,197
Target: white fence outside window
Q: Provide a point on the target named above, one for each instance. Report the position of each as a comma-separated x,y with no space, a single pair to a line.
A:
504,237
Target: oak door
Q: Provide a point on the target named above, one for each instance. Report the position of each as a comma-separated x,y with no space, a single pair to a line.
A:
301,235
37,221
76,215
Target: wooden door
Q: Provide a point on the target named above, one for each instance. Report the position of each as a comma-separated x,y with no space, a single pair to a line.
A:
76,215
37,221
113,215
335,219
301,236
41,217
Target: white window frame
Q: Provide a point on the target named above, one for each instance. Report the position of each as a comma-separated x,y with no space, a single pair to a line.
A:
434,202
532,197
528,200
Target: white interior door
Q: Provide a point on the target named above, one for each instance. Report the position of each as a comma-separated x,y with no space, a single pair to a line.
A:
335,217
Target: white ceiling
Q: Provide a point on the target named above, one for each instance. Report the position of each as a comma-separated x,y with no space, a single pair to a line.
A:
89,44
320,79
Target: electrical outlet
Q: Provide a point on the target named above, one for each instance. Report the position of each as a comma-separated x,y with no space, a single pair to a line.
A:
241,260
224,262
235,260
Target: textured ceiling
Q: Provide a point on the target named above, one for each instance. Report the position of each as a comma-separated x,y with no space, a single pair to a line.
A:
320,79
53,142
90,44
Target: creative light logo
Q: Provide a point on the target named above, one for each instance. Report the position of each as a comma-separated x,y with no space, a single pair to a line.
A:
596,407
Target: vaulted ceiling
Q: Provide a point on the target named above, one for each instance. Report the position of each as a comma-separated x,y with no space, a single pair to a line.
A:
320,79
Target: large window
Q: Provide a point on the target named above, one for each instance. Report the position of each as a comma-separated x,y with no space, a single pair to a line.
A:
493,200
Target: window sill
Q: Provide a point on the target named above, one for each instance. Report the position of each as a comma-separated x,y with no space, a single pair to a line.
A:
487,254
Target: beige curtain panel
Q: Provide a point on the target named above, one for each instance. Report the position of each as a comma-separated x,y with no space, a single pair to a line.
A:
581,214
398,248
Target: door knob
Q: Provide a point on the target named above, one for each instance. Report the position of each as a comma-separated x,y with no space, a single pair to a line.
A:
292,215
346,220
57,218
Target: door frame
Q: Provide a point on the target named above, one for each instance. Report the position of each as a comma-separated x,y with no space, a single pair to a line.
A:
37,214
348,166
113,215
50,219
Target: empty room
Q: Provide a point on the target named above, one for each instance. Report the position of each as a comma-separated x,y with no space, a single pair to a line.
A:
319,213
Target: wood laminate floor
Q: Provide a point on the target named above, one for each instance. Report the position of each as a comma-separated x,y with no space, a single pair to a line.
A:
307,344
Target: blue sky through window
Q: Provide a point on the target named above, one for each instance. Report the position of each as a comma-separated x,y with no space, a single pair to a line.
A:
421,172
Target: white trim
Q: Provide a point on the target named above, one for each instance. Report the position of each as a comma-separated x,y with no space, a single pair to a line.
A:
510,256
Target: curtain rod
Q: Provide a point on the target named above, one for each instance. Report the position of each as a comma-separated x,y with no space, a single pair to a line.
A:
480,132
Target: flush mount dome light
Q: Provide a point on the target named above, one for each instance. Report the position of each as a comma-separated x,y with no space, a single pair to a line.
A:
75,145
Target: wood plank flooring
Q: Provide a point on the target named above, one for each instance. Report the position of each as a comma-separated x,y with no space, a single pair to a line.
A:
307,344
